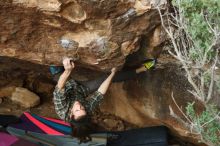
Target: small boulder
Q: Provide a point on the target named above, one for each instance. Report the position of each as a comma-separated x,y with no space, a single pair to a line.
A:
25,98
7,91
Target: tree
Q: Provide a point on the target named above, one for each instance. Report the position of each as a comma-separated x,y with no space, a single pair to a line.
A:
193,27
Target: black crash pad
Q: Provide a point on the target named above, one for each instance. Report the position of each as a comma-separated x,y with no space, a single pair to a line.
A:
150,136
5,120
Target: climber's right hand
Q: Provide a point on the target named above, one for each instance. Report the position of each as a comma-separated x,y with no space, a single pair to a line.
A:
68,64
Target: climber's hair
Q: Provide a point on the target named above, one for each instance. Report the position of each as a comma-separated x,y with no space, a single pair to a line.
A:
81,129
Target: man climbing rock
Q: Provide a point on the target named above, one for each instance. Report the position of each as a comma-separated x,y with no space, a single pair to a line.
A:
71,100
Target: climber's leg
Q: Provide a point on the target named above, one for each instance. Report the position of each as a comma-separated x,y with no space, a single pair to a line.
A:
93,85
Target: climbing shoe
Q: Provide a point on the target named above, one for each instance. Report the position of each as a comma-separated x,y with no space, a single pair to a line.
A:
150,63
56,69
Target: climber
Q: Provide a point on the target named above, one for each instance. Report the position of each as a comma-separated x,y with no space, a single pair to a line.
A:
70,95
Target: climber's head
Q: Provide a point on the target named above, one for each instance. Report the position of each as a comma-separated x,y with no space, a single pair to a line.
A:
78,111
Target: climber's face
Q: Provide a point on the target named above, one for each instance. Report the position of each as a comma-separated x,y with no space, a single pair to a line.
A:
78,110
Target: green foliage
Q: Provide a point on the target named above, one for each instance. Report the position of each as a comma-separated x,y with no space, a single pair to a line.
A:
206,123
197,31
196,14
218,85
207,78
190,110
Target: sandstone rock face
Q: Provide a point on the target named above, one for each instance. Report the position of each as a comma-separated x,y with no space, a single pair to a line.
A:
114,124
143,101
25,98
146,101
100,33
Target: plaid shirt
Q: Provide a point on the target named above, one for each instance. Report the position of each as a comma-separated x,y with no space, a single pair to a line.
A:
73,91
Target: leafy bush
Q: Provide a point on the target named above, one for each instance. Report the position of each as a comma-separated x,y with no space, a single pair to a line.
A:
193,27
205,124
198,13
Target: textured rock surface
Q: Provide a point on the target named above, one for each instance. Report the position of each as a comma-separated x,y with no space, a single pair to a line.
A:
146,101
7,91
143,101
102,33
24,97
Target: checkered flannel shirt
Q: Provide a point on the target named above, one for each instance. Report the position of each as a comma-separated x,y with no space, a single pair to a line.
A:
73,91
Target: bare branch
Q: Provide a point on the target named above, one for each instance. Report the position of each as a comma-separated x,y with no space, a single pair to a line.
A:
212,80
181,110
194,57
179,55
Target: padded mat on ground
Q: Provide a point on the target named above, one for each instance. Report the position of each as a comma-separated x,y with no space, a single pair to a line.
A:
51,129
8,119
9,140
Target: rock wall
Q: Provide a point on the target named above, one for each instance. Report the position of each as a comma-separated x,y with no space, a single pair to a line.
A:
147,101
100,33
143,101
